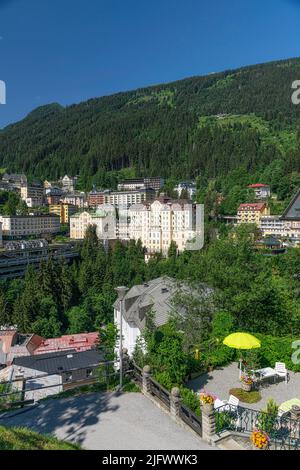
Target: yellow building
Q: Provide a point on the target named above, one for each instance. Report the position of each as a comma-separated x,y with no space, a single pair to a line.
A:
64,211
251,213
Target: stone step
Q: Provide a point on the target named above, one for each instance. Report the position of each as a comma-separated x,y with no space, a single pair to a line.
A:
230,444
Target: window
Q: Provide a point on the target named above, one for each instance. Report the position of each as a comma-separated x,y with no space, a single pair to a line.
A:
89,373
68,377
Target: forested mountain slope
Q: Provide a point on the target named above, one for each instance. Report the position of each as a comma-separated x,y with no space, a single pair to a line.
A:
205,125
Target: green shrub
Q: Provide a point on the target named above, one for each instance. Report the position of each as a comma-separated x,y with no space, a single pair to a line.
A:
268,417
274,349
191,400
165,380
224,421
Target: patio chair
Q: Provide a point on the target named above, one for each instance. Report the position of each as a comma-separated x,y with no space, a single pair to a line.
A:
281,370
233,401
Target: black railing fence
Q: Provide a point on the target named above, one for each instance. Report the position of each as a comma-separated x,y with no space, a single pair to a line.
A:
283,431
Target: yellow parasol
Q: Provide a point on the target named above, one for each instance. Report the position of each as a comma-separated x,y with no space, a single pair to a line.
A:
241,341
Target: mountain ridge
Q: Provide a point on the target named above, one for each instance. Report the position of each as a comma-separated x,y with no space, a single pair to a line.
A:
166,127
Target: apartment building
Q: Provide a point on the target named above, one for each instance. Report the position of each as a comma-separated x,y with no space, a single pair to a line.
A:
159,223
76,198
53,195
134,184
63,211
68,184
18,226
273,225
33,195
96,198
15,180
127,198
262,191
251,213
104,221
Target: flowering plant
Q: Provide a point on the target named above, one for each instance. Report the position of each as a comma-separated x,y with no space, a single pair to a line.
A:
207,398
260,439
246,379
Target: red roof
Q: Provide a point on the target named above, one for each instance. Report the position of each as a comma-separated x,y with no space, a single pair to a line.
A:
258,185
79,342
255,206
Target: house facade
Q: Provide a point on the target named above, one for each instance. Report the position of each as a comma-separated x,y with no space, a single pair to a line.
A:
251,213
17,226
159,223
261,191
156,296
104,221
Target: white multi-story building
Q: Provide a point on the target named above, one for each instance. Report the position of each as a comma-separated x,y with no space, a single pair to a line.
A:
274,225
18,226
154,182
160,223
127,198
103,220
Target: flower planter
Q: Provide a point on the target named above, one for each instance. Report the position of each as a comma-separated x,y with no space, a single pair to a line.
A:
246,387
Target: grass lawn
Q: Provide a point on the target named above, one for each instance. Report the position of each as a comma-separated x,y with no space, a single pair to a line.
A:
245,397
24,439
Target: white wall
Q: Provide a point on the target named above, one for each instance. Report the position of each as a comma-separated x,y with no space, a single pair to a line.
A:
130,333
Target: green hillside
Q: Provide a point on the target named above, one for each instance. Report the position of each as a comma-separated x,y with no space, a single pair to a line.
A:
24,439
207,126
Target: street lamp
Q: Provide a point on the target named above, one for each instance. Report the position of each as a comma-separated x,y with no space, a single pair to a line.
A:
121,291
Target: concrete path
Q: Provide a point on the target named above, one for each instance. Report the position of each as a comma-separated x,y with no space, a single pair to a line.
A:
108,421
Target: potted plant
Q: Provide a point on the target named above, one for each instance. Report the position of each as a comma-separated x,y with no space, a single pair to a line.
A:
247,383
207,401
260,440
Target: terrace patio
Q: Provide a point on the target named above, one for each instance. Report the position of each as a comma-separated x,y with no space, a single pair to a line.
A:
221,380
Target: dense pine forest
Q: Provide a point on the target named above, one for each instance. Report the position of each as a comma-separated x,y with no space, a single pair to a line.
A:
204,127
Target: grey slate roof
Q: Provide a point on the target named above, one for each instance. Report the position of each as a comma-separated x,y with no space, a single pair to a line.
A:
292,212
156,295
59,362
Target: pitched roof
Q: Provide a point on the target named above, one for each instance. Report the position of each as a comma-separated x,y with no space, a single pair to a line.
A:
79,342
59,362
292,212
156,295
256,206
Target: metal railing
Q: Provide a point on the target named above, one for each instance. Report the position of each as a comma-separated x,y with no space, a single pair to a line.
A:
283,431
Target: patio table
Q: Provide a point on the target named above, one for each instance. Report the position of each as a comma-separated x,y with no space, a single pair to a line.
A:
287,405
266,373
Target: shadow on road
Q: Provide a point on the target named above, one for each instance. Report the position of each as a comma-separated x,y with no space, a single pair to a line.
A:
69,418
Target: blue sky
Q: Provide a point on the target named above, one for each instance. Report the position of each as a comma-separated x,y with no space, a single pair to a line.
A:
67,51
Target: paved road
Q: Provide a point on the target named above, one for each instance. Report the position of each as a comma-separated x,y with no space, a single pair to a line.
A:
108,421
